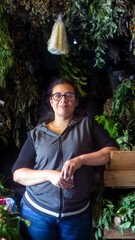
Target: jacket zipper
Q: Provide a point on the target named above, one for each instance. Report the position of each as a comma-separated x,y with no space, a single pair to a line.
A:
60,153
60,192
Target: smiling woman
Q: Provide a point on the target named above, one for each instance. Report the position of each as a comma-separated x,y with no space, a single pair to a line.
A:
55,164
65,105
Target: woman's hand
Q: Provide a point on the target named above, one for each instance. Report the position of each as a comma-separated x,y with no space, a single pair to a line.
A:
97,158
70,167
57,180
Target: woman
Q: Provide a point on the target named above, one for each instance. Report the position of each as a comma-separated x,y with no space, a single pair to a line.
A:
55,165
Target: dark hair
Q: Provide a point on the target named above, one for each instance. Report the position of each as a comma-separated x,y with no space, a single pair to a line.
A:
56,81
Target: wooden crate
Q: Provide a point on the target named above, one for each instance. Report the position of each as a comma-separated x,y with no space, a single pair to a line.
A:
120,172
115,233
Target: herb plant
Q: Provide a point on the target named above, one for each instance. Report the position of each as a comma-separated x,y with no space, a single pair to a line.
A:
108,210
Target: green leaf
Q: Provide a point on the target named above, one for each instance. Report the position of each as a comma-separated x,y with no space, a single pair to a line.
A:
99,233
133,228
125,225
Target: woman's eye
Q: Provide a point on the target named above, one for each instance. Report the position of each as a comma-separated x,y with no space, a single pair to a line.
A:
58,95
68,95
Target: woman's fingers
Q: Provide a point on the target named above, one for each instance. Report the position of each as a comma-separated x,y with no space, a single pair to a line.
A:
68,170
66,184
57,180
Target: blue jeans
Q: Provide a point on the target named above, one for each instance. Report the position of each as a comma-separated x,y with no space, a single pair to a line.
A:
46,228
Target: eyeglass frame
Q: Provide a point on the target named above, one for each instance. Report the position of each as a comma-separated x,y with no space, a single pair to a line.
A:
63,95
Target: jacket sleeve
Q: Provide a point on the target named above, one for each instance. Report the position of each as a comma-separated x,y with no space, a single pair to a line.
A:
26,158
101,137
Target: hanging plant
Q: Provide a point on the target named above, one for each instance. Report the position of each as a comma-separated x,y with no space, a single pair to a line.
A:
94,23
71,67
6,57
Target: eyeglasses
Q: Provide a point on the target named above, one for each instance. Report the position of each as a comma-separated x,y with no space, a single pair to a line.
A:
68,96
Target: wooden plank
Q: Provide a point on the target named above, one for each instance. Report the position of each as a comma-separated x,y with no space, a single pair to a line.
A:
122,160
119,178
115,233
107,166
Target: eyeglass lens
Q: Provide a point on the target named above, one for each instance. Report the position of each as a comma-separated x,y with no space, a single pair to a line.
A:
58,96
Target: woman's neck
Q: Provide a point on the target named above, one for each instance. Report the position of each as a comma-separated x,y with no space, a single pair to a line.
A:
58,125
62,121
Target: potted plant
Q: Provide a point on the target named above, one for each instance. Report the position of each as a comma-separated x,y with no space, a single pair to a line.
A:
115,214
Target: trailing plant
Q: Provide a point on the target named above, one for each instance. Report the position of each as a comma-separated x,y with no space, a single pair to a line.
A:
119,122
72,67
6,57
93,23
119,213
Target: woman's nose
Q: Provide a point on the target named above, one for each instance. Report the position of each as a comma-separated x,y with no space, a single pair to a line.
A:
63,99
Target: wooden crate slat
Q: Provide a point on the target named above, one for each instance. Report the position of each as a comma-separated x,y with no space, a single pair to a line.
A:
122,160
115,233
119,179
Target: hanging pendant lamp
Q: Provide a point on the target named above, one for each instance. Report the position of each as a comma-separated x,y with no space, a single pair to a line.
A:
58,43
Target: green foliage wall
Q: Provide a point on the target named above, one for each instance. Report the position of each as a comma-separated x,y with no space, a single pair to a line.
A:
24,24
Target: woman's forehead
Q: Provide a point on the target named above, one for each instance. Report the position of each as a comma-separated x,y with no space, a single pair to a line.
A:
63,88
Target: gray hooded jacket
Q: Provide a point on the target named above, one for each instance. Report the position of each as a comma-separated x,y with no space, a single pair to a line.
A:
82,136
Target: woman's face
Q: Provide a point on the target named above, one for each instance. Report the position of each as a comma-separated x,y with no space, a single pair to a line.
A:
63,107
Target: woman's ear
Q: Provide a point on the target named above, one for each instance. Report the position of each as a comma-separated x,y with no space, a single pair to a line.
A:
50,101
